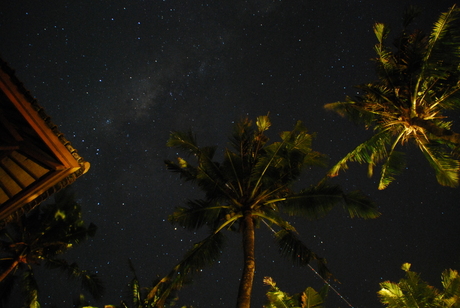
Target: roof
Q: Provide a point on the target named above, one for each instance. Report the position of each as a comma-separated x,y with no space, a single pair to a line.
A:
36,160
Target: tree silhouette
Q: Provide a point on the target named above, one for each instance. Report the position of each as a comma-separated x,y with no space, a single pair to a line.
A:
252,186
41,237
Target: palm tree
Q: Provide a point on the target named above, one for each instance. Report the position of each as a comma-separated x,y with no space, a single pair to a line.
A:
412,292
252,186
417,82
42,236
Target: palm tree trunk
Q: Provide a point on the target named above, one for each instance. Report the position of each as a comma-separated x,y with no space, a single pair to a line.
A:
9,270
247,279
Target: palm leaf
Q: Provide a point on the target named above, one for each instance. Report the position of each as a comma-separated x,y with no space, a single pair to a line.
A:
186,171
444,38
446,168
135,287
317,201
197,214
369,152
235,171
451,282
410,13
89,281
30,289
359,205
279,299
312,203
394,164
311,299
442,54
202,254
291,247
352,109
381,32
185,141
390,294
274,218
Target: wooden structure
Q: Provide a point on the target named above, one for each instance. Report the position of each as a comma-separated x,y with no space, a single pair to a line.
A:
35,158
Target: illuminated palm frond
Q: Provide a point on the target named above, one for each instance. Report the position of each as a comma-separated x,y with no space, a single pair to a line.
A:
412,291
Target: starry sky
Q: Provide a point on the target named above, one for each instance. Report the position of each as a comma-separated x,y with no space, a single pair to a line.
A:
118,76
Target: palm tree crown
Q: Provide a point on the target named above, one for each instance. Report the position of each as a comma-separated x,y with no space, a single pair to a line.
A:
417,82
253,185
42,236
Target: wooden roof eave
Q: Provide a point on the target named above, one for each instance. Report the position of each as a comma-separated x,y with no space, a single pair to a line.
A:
33,117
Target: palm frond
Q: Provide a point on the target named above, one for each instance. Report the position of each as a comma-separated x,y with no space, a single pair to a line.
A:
411,291
89,281
241,138
451,283
197,214
92,283
30,289
208,175
291,247
312,299
445,167
185,141
352,110
298,149
274,218
309,298
282,162
391,294
445,36
381,31
314,202
410,13
279,299
201,255
317,201
442,56
359,205
135,287
185,170
369,152
263,123
394,164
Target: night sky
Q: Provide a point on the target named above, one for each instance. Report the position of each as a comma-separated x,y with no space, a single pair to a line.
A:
118,76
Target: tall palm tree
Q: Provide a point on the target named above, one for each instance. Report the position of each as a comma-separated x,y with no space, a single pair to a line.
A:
413,292
418,81
252,186
42,236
